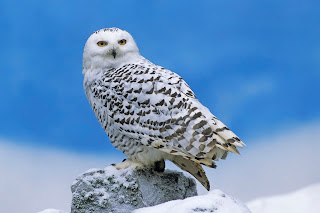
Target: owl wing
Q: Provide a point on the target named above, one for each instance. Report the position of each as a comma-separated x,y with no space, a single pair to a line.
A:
158,108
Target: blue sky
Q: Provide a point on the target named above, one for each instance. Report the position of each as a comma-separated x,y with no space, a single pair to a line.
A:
254,64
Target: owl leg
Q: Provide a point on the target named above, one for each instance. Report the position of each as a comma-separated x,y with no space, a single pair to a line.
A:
159,166
126,163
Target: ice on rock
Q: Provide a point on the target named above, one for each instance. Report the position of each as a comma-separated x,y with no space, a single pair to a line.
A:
122,191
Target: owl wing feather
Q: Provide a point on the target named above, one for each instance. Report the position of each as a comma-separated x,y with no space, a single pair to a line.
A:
157,107
154,106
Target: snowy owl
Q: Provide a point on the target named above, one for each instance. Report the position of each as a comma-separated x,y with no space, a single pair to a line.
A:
150,113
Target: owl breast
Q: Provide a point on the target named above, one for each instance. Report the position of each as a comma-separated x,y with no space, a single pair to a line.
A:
107,93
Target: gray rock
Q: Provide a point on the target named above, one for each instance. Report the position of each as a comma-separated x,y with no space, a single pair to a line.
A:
122,191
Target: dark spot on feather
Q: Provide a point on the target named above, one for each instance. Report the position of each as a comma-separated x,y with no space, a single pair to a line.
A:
179,105
146,101
191,110
199,125
181,138
160,103
203,139
171,101
197,115
174,95
192,140
168,92
199,174
195,133
212,143
207,131
150,92
170,137
138,91
162,90
222,129
199,158
188,148
201,147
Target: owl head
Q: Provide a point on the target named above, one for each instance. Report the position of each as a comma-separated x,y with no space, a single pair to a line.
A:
109,48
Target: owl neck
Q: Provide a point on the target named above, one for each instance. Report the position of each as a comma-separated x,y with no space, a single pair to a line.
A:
102,63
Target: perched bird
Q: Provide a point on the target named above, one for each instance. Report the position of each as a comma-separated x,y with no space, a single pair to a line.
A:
150,113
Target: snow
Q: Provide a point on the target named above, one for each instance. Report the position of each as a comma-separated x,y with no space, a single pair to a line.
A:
52,211
215,201
304,200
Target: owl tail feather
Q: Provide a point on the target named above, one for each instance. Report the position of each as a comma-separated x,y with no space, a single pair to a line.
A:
195,169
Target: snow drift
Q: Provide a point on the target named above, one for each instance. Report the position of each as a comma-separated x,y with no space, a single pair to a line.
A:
300,201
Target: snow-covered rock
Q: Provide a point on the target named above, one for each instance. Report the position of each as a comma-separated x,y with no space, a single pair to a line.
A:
122,191
303,200
215,201
52,211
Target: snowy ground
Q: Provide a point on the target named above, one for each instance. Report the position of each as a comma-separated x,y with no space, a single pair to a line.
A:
306,200
52,211
214,201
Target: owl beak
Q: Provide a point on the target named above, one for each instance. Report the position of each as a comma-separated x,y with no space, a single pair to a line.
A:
114,53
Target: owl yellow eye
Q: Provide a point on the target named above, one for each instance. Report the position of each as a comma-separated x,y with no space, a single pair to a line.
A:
122,42
102,43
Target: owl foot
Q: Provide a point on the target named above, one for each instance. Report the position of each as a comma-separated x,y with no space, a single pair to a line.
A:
127,163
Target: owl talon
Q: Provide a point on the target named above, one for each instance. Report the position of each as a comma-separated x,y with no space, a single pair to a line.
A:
127,163
159,166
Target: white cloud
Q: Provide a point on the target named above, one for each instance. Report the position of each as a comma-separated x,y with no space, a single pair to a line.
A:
34,179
